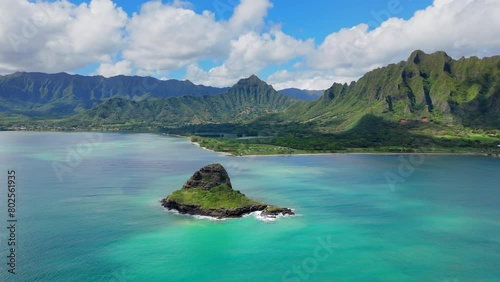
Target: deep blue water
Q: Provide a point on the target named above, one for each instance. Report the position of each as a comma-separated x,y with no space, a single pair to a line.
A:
87,210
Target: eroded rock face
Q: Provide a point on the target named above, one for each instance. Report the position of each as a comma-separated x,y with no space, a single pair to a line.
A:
209,177
218,213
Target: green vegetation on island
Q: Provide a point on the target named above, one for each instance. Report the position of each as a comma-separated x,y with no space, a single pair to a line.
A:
218,197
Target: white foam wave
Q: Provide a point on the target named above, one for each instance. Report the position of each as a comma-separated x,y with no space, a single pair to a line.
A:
268,219
258,215
211,218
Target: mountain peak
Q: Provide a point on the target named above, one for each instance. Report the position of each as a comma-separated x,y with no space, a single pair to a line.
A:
209,177
252,82
253,79
418,56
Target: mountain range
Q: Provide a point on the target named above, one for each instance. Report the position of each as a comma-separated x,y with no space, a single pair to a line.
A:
428,95
249,98
62,94
57,95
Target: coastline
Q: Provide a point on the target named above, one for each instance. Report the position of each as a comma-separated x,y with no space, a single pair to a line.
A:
270,155
359,153
204,148
347,153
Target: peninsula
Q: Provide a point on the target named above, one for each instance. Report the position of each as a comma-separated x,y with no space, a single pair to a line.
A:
209,192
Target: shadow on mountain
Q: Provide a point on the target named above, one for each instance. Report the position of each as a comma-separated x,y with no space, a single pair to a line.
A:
482,112
372,131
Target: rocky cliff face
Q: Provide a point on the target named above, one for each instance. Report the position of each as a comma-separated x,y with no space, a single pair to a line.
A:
465,91
209,192
208,177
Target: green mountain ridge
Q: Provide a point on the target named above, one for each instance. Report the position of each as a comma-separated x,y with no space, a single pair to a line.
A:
427,99
51,95
249,98
464,91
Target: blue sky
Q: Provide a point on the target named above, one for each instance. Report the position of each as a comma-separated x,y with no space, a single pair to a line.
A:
289,43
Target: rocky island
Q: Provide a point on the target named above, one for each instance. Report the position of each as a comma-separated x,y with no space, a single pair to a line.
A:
209,193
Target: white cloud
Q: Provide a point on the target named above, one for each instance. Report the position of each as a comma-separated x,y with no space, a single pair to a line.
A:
58,36
166,37
310,80
250,53
249,15
110,69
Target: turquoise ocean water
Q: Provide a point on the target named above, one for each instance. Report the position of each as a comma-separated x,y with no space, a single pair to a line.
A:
87,210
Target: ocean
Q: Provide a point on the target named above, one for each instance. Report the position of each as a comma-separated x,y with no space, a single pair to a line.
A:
87,208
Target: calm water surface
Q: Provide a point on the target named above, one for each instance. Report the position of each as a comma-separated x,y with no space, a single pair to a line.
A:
87,210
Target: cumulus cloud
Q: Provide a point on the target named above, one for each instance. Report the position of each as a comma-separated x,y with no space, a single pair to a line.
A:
168,37
53,36
250,53
308,79
165,37
249,15
58,36
119,68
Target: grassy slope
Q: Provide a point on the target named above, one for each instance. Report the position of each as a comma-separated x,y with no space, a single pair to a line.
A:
218,197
